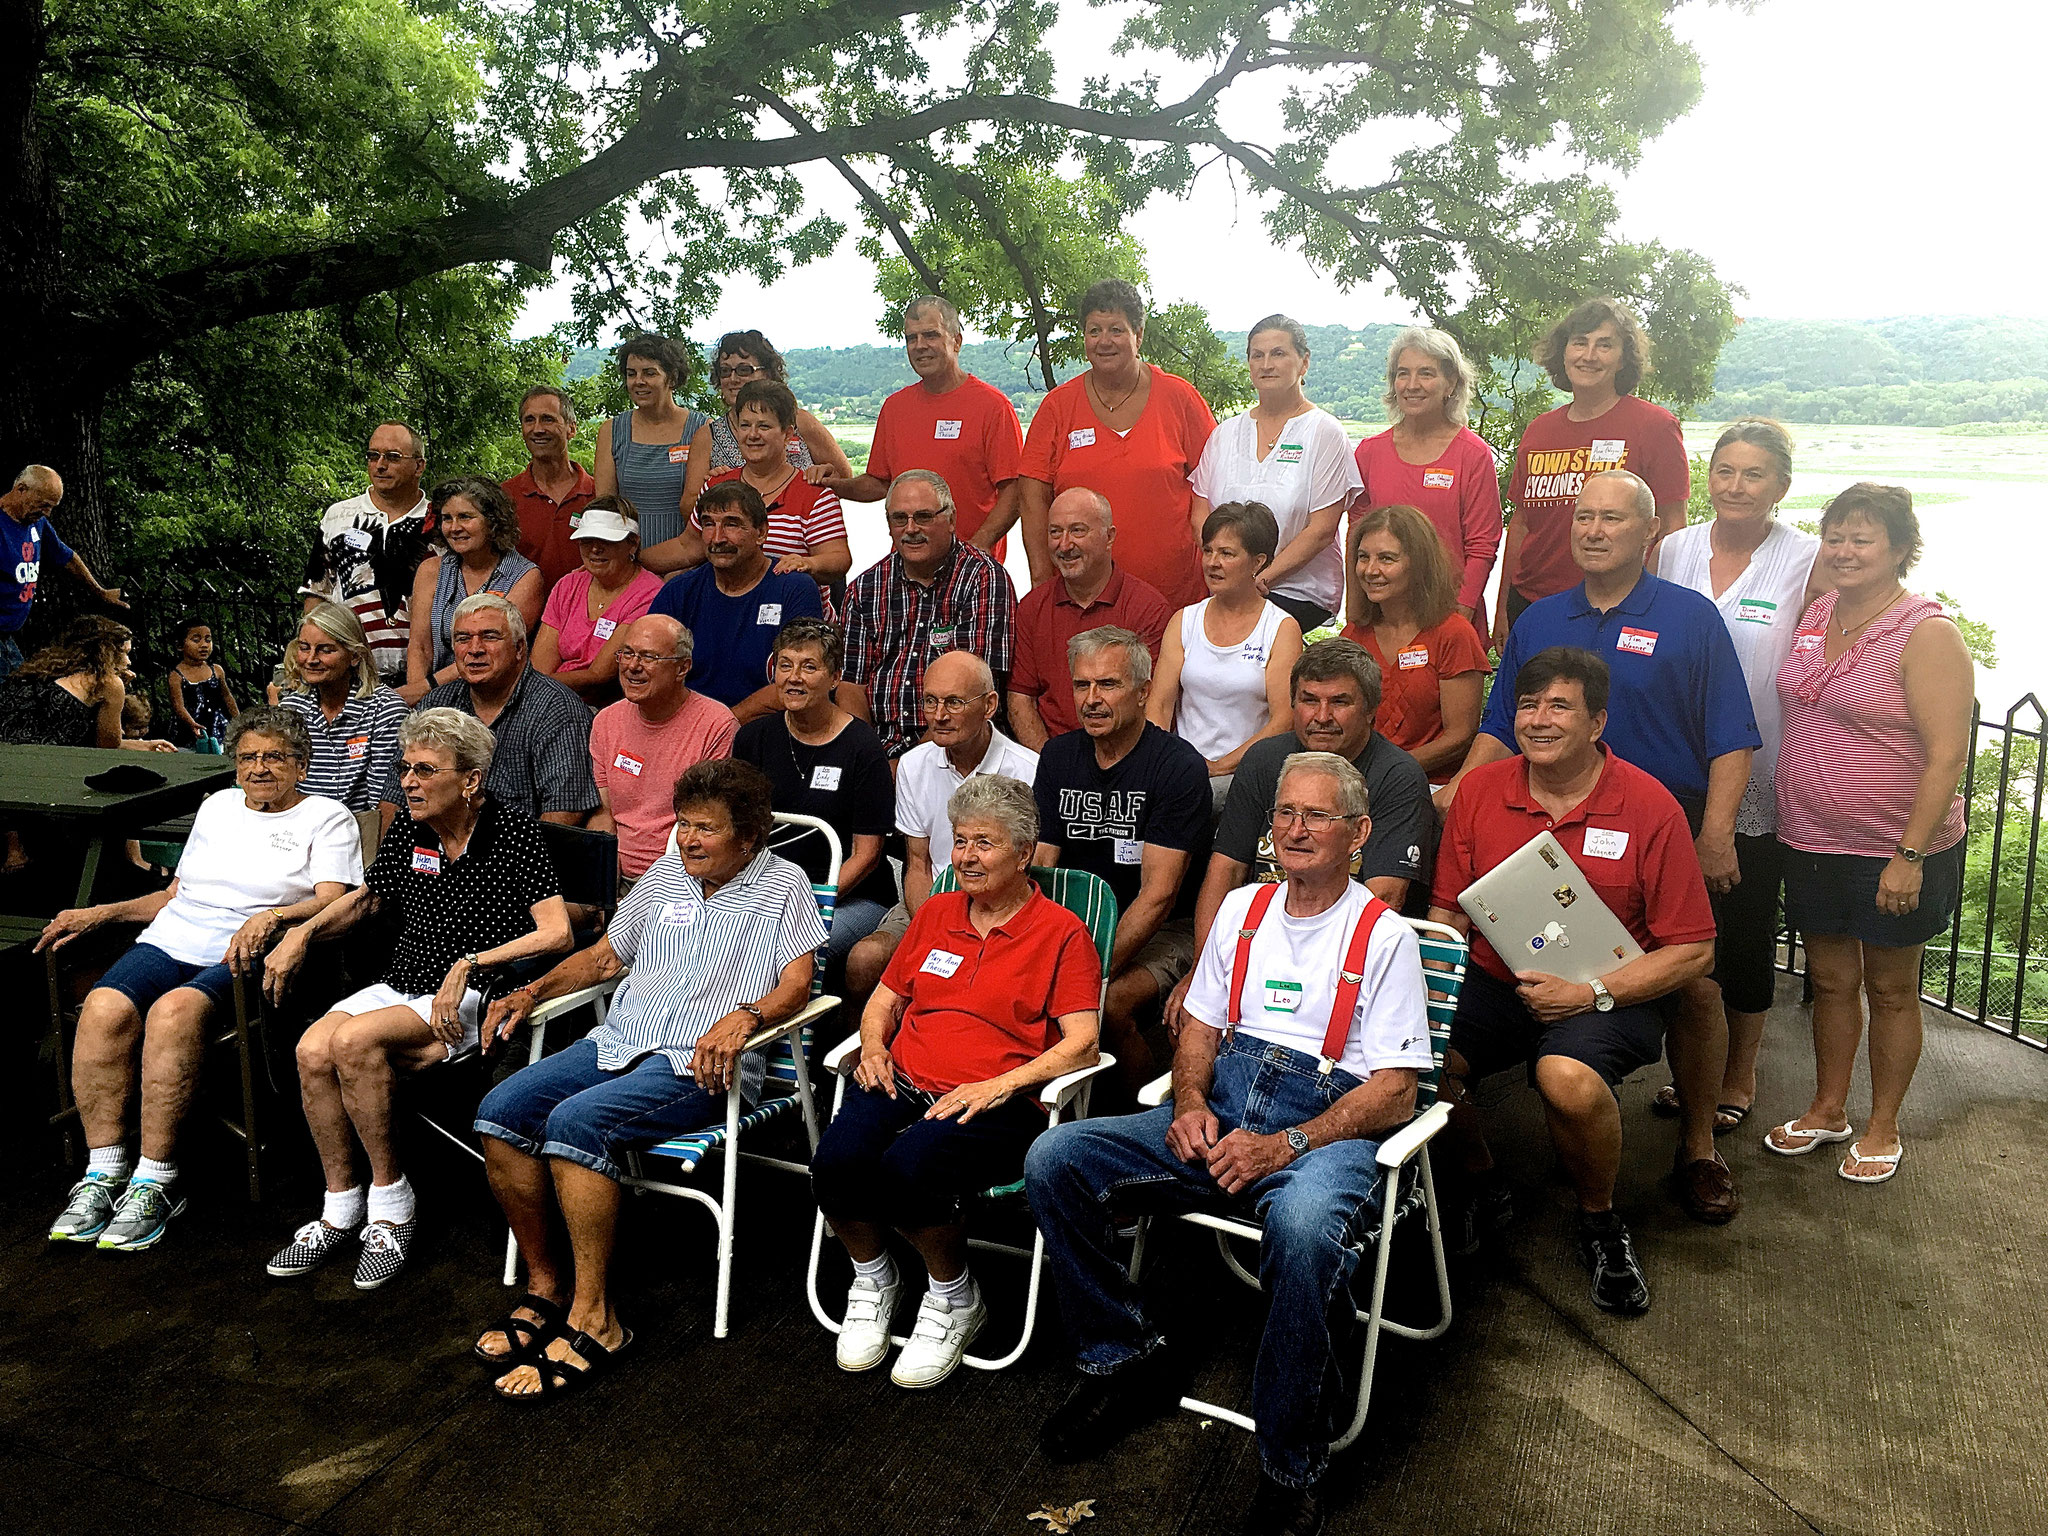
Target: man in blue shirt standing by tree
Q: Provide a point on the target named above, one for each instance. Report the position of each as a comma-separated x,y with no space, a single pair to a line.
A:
32,543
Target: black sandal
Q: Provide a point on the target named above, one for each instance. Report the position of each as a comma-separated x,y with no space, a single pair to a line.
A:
558,1377
526,1337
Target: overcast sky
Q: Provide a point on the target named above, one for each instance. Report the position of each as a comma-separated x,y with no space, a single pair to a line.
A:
1848,158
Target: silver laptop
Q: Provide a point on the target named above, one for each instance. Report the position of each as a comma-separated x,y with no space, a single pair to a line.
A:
1540,913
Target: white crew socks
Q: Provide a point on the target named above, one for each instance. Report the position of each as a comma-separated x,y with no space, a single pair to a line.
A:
343,1211
152,1171
956,1294
392,1202
109,1162
881,1271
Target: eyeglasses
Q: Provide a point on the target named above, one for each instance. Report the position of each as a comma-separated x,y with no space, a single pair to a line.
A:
264,759
1315,821
389,456
626,653
904,519
949,705
737,371
424,772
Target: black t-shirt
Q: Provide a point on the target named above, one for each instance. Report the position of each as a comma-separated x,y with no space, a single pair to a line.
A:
1403,841
845,783
1101,818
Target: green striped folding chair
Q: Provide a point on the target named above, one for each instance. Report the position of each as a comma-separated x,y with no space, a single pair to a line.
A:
1089,898
1410,1186
785,1091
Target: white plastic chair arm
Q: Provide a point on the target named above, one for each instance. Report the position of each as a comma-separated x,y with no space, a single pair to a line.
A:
1156,1092
569,1002
1410,1139
1058,1093
810,1013
844,1056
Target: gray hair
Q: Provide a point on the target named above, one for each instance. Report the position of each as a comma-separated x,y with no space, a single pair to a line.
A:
464,737
1296,336
1442,348
340,625
949,317
40,477
1113,637
1351,796
1000,799
1759,432
278,723
495,602
926,477
1645,498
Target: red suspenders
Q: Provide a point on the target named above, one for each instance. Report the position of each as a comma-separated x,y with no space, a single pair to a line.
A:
1349,980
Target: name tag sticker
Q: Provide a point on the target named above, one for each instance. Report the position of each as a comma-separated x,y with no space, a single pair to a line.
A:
426,861
1412,657
1439,479
1288,453
284,842
358,747
1604,843
1609,450
1081,437
825,776
942,637
680,454
1755,610
1130,850
940,963
1641,641
356,538
768,613
946,430
1808,642
679,912
1283,996
626,764
604,629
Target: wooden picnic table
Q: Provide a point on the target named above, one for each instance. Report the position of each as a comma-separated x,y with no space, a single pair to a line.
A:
49,783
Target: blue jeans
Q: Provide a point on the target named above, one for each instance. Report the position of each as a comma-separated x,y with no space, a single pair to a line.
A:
1315,1212
566,1105
852,921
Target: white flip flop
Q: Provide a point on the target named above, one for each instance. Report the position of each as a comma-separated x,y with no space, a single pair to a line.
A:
1889,1159
1809,1137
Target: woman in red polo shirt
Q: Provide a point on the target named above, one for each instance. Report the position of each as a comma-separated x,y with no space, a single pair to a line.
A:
993,992
1432,663
1130,432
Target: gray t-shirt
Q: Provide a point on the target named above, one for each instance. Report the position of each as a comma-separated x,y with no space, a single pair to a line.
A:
1403,841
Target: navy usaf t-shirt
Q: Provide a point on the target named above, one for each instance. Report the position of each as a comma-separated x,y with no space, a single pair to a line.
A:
1101,818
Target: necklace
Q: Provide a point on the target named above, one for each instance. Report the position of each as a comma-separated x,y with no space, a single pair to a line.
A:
1846,630
1122,400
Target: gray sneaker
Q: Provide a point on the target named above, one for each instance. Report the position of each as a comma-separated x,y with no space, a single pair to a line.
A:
141,1218
90,1208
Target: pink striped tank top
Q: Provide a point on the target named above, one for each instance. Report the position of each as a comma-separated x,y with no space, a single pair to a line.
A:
1851,759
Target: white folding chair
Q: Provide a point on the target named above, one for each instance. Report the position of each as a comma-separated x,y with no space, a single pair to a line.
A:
1090,899
1409,1186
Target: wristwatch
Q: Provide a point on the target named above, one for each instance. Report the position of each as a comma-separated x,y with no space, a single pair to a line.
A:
1297,1140
1603,1000
1910,855
470,960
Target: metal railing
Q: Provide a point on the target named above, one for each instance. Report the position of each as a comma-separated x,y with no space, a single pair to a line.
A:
252,624
1993,969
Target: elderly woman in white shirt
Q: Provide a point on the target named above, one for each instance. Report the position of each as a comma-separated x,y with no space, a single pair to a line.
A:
1295,460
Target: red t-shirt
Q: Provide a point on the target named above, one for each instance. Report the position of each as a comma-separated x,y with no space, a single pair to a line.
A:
1552,462
969,437
978,1007
1411,681
547,528
1144,474
1459,493
1644,866
1047,619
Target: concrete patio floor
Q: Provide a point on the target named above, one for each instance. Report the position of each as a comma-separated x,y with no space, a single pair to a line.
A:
1841,1359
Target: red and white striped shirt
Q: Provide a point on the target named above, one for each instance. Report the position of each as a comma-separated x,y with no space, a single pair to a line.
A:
1851,758
800,518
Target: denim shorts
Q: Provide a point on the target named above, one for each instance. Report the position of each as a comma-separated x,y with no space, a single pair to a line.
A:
1835,895
146,973
567,1106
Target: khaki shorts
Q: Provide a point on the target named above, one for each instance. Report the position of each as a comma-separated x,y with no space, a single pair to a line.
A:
1169,954
894,924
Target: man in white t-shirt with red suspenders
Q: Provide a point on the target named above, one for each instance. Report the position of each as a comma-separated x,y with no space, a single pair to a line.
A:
1306,1032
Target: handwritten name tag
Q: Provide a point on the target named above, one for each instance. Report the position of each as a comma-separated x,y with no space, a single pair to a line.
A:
626,764
1604,843
1130,850
426,861
946,430
680,912
1288,453
1609,450
1412,657
358,747
680,454
941,963
1283,996
1439,479
1081,437
825,776
1641,641
1755,610
1808,642
604,629
768,613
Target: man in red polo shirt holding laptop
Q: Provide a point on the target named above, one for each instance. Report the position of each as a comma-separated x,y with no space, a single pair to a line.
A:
1578,1040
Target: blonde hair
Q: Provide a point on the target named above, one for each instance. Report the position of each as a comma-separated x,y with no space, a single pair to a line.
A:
1441,348
346,631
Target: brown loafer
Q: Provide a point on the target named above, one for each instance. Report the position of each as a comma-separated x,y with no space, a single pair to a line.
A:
1706,1189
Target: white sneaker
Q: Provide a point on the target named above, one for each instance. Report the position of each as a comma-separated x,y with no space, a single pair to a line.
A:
864,1336
938,1341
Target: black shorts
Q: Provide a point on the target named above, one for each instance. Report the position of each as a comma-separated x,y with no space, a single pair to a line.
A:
1493,1031
1835,895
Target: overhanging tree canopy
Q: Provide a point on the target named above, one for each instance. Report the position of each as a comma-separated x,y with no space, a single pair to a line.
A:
181,166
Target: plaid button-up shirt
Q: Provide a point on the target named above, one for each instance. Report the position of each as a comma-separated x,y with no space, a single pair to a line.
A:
894,627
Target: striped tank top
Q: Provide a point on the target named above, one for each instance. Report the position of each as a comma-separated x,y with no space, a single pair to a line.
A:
651,476
1851,758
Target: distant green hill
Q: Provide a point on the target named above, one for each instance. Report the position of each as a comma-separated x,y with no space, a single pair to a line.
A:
1912,370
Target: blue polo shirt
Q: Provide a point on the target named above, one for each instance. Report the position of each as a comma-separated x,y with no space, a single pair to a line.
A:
734,637
1677,699
29,547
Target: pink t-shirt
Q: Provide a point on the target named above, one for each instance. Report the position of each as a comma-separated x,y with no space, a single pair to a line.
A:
636,765
1459,493
577,638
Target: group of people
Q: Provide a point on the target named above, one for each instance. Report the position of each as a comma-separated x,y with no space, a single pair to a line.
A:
1703,718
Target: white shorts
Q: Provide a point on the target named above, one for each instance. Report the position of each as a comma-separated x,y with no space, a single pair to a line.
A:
377,995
